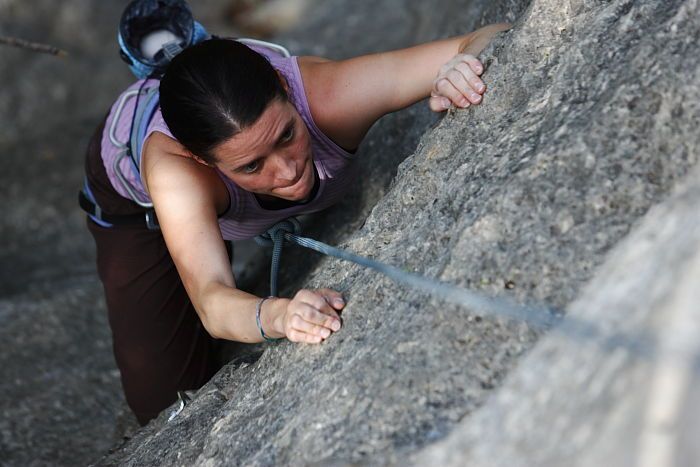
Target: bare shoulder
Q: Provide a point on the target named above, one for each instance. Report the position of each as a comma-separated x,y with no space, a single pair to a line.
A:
311,60
327,91
317,74
173,177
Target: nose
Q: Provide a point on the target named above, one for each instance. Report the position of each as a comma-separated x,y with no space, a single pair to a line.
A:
286,167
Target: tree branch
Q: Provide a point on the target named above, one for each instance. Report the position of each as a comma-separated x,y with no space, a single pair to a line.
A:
33,46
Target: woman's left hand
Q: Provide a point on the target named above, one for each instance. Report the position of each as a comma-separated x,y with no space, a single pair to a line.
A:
458,84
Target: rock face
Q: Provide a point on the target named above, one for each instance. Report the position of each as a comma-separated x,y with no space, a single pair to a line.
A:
590,120
629,395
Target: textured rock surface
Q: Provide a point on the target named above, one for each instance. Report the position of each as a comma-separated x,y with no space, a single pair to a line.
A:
628,396
591,119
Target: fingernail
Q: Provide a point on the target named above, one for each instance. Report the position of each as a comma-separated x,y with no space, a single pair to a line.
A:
480,87
476,97
463,102
325,333
339,301
336,325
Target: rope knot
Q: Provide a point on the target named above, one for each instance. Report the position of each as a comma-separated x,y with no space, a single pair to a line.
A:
291,225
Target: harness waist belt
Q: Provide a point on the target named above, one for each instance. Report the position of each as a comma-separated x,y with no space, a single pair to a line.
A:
147,218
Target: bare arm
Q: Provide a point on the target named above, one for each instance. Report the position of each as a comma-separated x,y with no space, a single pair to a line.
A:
187,196
347,97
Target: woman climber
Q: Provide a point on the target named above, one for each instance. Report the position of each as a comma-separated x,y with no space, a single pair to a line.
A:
243,138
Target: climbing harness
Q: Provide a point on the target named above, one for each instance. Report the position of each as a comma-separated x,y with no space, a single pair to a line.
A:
141,22
146,107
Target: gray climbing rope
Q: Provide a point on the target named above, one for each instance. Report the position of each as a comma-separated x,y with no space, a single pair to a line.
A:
275,237
537,316
641,345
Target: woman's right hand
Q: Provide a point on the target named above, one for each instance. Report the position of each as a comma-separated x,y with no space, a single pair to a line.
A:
311,315
458,81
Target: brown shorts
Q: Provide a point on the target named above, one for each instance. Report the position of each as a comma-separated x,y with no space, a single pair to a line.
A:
160,344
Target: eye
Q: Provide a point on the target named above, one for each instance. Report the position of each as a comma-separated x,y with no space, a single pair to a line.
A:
288,135
250,167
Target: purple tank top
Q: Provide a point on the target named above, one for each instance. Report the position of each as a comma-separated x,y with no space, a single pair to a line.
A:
245,217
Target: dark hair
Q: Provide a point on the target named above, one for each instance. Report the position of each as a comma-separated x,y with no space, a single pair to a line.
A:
213,90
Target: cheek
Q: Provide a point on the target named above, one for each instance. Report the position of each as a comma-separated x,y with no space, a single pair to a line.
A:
303,146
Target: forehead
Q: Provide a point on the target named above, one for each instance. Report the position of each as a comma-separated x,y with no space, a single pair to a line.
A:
257,139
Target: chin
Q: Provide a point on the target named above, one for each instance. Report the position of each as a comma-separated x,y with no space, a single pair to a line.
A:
296,196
